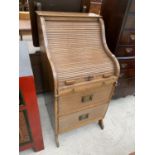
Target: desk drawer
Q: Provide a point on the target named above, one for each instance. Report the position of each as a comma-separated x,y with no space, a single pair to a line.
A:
84,99
81,118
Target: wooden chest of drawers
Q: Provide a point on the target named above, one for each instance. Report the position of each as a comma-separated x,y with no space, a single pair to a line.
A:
78,63
119,17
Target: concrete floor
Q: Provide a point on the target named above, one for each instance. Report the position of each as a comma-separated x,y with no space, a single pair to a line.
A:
117,138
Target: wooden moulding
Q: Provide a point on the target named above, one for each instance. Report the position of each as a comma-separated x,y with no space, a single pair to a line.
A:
79,65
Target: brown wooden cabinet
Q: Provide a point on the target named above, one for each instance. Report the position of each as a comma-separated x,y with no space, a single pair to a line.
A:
119,18
80,68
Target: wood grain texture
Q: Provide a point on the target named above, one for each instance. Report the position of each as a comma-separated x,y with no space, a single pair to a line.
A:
79,65
72,121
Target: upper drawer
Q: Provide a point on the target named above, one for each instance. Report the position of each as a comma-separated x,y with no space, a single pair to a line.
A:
122,51
127,38
130,22
83,99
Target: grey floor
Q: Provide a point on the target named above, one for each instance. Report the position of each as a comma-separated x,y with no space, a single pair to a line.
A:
117,138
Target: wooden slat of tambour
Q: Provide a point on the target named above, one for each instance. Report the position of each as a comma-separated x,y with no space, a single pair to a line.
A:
66,14
71,19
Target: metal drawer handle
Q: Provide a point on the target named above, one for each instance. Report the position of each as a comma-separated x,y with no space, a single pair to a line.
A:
123,65
86,98
128,50
121,75
106,75
132,37
84,8
84,116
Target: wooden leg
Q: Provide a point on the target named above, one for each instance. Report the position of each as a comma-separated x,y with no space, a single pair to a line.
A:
57,140
100,123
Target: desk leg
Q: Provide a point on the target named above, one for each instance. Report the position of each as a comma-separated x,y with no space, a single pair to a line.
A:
100,123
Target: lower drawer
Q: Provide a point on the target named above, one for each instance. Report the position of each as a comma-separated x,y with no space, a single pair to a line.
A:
81,118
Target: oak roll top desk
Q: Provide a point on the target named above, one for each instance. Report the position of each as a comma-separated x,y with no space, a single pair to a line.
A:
78,65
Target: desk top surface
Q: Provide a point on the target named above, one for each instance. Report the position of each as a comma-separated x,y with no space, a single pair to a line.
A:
24,60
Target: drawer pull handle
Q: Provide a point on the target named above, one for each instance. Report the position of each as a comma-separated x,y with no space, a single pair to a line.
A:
123,65
121,75
132,37
128,50
86,98
106,75
84,116
69,82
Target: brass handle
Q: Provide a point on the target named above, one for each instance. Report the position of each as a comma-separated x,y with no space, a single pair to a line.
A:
87,98
128,50
132,37
84,8
84,116
121,75
123,65
106,75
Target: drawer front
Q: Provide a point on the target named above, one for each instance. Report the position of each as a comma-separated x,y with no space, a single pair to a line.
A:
24,135
130,22
81,118
127,73
127,38
122,51
127,63
82,100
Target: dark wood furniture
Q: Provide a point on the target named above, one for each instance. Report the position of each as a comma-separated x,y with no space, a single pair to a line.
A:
30,135
78,66
119,18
